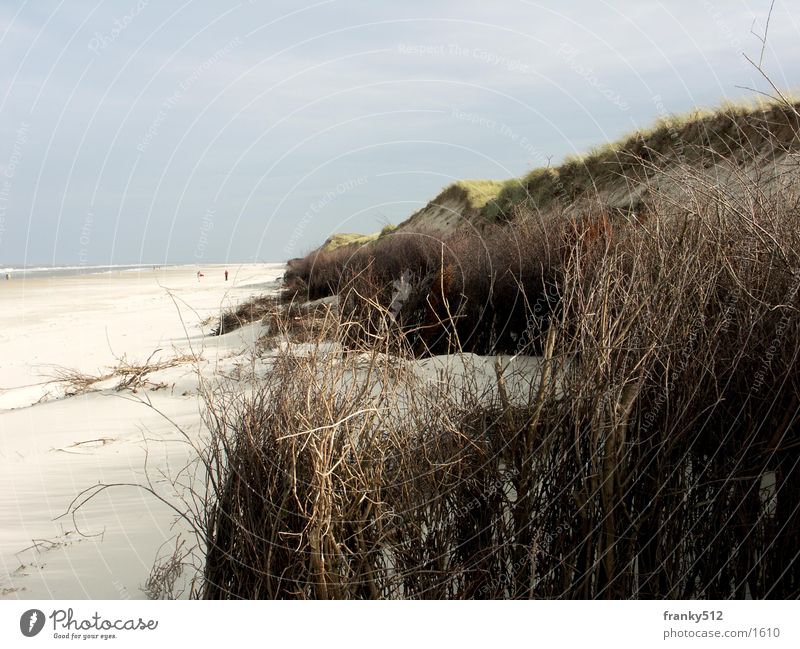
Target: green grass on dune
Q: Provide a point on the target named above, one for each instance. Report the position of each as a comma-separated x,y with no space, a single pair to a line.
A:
480,192
348,239
342,239
732,130
702,134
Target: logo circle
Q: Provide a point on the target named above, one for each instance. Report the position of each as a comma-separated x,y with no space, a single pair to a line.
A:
31,622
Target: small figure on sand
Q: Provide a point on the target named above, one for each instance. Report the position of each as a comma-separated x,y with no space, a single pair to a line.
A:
226,274
199,275
8,275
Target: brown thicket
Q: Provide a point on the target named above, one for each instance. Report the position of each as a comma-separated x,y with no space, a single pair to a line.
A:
655,456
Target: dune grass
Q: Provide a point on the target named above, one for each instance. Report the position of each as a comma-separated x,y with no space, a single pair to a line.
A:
744,130
340,240
480,192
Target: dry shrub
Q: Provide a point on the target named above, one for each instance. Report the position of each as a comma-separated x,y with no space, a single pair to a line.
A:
75,382
245,313
336,478
658,456
681,408
166,576
131,375
472,291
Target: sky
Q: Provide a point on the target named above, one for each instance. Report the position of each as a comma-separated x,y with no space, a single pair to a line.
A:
204,132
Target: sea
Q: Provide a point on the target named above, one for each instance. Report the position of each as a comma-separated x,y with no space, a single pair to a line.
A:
64,271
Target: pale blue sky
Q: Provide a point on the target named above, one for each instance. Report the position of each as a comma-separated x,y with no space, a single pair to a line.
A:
207,132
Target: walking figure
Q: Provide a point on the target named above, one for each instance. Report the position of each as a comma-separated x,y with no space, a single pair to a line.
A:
226,274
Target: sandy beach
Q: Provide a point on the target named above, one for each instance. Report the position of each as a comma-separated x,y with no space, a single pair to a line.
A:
53,447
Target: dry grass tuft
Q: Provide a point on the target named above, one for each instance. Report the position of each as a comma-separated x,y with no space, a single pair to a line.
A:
164,581
131,376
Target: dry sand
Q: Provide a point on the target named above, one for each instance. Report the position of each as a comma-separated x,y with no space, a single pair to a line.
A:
51,447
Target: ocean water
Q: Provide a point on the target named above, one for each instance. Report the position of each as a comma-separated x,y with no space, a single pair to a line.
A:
64,271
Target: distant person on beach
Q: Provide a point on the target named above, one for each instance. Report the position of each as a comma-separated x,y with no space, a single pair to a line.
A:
226,274
199,275
8,275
